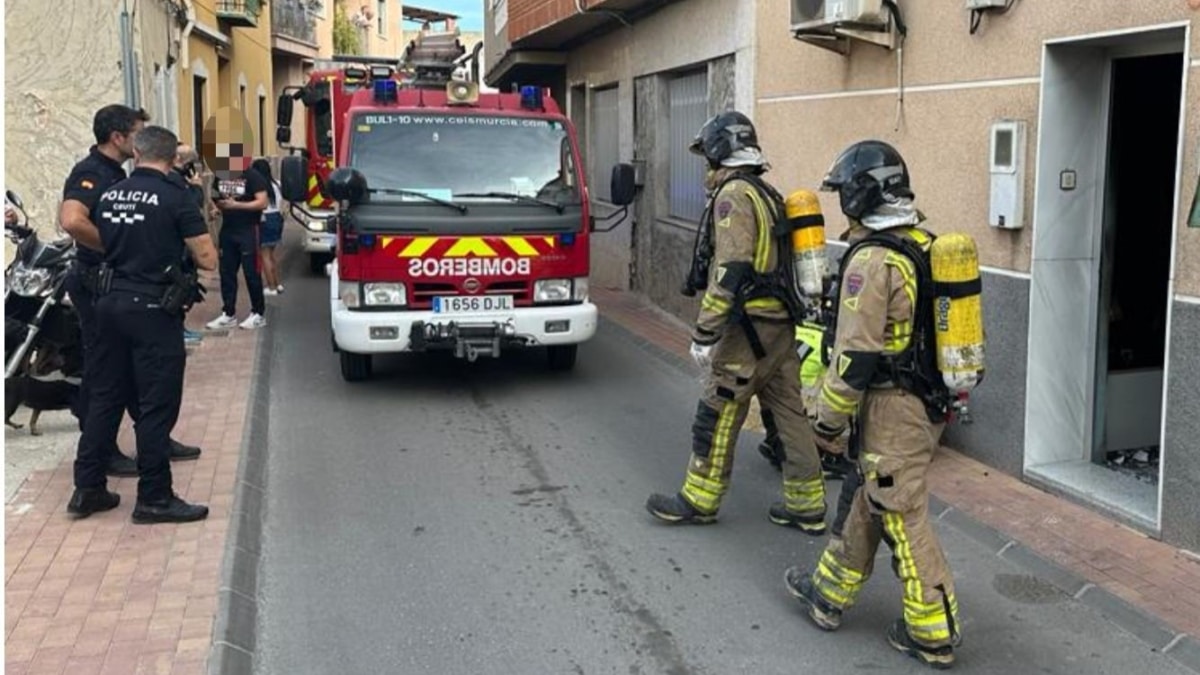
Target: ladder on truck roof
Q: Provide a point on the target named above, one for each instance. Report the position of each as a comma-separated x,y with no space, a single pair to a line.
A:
433,57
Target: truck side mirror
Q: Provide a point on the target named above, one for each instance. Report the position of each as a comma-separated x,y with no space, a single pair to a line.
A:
347,185
293,175
622,188
13,199
283,119
283,110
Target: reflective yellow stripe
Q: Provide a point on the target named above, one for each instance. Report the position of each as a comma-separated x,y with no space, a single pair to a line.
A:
705,491
468,246
418,247
764,303
907,566
762,249
714,303
520,246
836,401
905,266
898,341
836,583
805,496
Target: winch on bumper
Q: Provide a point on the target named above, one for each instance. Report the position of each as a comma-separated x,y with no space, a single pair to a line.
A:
359,334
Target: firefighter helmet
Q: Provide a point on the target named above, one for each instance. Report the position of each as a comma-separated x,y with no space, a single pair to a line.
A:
866,175
723,136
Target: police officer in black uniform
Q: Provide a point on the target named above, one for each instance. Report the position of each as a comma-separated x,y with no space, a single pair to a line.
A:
114,127
144,223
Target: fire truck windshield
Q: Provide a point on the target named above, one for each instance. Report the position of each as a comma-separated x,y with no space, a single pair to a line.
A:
480,157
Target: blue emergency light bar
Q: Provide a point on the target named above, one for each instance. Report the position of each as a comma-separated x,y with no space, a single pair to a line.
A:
386,91
531,97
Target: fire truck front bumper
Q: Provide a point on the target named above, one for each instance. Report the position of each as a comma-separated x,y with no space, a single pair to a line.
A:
319,242
469,336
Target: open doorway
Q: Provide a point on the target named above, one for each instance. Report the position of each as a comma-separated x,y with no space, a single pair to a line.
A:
1134,262
1102,255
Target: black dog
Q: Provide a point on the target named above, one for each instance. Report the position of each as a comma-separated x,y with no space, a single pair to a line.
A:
43,386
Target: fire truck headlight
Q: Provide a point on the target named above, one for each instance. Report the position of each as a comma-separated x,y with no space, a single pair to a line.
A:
384,294
316,225
581,289
348,293
552,290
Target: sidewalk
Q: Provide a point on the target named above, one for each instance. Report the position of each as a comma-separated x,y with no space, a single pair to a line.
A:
102,595
1148,574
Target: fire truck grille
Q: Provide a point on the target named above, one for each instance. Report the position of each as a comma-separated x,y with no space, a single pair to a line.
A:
424,292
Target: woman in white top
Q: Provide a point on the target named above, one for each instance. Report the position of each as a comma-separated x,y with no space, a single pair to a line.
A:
272,231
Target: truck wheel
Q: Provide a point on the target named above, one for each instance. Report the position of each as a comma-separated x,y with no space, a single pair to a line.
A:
355,367
317,262
562,357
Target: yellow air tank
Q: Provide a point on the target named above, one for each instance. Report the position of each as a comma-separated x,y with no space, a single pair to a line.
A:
808,242
958,312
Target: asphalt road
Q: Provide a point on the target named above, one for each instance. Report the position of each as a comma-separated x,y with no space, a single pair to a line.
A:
488,518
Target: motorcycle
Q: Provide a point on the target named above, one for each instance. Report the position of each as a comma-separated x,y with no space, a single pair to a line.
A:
43,344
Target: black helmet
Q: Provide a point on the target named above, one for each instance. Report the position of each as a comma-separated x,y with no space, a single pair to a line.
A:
724,134
863,174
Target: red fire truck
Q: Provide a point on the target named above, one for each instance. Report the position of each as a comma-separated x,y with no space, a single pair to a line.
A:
461,219
325,97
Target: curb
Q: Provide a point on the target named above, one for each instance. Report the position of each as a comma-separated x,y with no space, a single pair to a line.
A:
236,622
1182,647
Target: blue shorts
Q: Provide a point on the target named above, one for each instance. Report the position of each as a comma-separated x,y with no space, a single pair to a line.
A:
272,230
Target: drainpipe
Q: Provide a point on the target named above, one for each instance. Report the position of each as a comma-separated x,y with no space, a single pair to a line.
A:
128,66
186,34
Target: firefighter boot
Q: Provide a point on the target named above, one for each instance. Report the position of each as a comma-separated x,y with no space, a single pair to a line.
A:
800,586
677,510
772,450
813,525
938,658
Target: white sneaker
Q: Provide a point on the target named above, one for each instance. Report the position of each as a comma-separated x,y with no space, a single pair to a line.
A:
223,321
270,291
254,321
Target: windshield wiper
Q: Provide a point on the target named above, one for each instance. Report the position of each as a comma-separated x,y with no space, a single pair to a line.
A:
461,208
515,197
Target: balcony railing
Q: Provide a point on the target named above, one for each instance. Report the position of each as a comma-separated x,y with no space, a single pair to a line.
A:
292,19
239,13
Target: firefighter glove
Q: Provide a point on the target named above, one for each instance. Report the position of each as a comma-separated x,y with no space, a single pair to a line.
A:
702,355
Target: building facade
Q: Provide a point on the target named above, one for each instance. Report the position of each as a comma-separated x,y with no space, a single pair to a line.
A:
59,72
1066,143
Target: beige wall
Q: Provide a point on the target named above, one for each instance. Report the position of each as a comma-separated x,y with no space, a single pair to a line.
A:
807,109
391,42
48,102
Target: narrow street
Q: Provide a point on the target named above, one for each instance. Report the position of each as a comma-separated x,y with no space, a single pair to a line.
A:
488,518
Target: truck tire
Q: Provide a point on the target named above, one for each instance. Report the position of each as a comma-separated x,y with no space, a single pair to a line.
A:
355,367
562,357
317,263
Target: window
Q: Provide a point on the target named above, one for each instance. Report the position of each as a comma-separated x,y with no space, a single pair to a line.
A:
526,157
688,94
604,141
381,17
262,126
198,89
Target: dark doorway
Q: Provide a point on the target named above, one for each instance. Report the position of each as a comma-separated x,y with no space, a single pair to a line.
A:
1136,258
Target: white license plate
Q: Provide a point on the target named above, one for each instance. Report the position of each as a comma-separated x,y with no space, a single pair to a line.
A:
470,304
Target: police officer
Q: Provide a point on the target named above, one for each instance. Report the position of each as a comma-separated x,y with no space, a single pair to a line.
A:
144,223
114,127
744,337
877,379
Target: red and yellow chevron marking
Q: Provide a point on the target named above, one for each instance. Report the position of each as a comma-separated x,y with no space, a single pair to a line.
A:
315,199
469,247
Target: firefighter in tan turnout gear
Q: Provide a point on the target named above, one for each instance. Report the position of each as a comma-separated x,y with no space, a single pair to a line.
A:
883,376
744,336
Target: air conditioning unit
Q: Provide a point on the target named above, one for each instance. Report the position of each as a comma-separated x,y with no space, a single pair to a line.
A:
815,15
